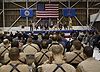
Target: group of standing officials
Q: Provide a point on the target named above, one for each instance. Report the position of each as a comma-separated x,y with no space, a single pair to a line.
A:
56,25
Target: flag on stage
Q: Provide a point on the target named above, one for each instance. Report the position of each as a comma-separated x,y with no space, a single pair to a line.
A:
58,22
26,12
48,10
46,21
68,12
70,21
40,23
51,23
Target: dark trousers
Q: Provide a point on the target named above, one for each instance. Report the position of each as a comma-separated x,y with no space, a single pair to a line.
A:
31,28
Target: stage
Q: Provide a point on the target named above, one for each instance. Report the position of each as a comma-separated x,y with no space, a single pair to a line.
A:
44,31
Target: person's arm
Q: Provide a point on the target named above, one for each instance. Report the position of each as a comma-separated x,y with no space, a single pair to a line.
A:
33,67
79,68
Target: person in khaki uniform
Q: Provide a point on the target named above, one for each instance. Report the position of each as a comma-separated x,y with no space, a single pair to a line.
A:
54,42
1,44
90,64
43,55
76,56
4,49
14,65
57,63
30,50
80,38
22,58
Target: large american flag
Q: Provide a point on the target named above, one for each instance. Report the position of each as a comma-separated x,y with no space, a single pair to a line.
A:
48,10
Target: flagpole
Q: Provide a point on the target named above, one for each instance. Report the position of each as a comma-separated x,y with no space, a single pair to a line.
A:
27,17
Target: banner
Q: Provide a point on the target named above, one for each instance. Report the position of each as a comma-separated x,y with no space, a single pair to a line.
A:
40,23
51,23
26,12
47,10
68,12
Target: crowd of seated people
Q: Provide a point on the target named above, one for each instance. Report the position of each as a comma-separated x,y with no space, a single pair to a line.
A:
49,52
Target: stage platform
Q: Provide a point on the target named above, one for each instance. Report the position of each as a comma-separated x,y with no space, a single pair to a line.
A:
44,31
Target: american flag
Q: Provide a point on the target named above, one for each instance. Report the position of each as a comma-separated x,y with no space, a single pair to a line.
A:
48,10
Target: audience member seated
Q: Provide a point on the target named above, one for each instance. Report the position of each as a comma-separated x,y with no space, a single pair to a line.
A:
82,33
90,64
60,41
14,65
43,55
80,38
35,40
30,50
63,38
57,63
54,42
21,59
74,37
76,56
50,39
4,49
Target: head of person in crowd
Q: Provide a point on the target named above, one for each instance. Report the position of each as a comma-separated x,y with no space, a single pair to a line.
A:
44,44
29,35
50,36
80,38
14,53
62,34
29,40
35,37
59,38
95,33
47,37
14,44
40,33
57,52
19,35
6,42
54,37
77,45
74,35
51,32
88,52
83,31
46,33
43,36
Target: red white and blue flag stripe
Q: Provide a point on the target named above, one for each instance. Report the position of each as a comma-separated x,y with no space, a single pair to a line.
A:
48,10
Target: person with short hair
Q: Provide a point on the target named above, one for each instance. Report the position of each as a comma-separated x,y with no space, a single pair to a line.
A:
30,50
22,59
57,63
4,49
43,55
90,64
74,37
14,65
54,42
76,56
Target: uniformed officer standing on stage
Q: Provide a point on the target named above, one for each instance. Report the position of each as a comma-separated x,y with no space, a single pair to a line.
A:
60,26
31,26
65,25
